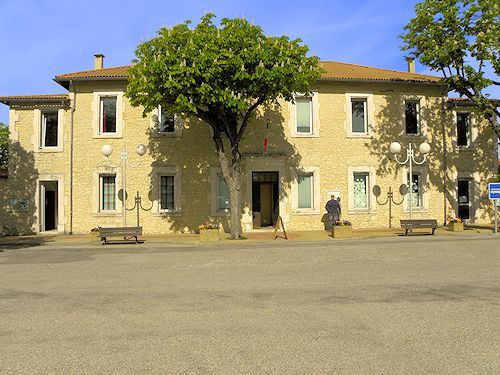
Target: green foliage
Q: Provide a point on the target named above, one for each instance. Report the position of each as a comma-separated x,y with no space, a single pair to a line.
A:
458,38
4,144
221,72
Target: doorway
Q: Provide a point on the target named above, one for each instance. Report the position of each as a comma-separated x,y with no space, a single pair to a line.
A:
465,198
48,205
265,198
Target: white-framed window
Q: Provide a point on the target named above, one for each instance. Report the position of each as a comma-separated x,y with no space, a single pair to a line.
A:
166,121
304,119
304,115
360,182
361,193
463,129
416,190
108,114
418,195
359,115
305,190
49,129
166,192
412,117
107,192
223,199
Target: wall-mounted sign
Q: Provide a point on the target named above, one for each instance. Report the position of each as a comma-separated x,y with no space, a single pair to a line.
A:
494,190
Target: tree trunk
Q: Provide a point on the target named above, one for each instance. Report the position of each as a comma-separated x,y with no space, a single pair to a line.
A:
232,176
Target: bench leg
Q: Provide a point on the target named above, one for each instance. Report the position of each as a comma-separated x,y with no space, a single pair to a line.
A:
433,229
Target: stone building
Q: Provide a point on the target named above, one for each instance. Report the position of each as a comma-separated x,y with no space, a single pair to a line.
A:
333,141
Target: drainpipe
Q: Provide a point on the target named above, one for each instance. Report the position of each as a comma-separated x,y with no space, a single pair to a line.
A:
72,111
445,154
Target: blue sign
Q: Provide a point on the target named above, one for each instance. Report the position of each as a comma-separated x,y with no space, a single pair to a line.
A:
494,191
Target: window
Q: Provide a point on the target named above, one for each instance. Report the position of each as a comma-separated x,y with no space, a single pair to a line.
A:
108,192
107,111
360,189
359,115
412,117
416,193
223,202
166,121
167,191
463,129
305,190
304,115
49,129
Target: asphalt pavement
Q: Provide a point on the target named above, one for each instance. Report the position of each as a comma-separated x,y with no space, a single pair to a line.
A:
417,305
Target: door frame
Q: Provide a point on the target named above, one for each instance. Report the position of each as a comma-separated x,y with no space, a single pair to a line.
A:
40,214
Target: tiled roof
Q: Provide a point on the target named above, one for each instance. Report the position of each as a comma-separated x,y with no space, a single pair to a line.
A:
345,71
333,70
34,98
119,72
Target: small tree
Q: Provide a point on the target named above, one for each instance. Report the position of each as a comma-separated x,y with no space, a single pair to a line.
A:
4,144
221,75
459,38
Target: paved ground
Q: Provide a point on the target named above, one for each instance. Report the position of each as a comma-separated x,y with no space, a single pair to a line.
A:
417,305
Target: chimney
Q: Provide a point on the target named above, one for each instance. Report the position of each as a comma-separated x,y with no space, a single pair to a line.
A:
411,65
98,61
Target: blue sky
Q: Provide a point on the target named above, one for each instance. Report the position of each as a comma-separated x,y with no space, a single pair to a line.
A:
42,38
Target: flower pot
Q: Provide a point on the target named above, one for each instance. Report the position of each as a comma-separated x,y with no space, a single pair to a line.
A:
342,231
209,235
456,227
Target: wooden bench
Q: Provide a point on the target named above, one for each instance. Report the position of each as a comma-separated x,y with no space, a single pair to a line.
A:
124,232
408,225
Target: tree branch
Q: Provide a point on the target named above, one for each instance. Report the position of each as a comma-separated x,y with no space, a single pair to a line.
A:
244,122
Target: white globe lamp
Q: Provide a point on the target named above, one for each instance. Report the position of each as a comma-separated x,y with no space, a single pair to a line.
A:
107,150
395,148
141,149
424,148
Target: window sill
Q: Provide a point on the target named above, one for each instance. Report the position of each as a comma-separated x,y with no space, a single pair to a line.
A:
221,213
108,214
110,135
49,149
416,210
465,148
175,134
305,212
363,136
418,136
299,135
167,213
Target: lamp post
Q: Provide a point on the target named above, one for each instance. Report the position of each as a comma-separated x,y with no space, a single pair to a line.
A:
424,149
107,150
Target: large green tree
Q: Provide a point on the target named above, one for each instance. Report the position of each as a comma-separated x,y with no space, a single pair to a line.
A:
460,39
4,144
220,74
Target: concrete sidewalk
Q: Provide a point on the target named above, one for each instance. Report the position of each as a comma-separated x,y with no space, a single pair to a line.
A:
263,235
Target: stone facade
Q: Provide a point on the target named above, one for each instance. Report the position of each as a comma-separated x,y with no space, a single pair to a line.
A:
331,154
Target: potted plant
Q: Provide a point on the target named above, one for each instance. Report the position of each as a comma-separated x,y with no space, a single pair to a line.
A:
209,232
342,229
456,225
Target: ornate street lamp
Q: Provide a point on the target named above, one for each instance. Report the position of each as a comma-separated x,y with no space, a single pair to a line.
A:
424,149
107,150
